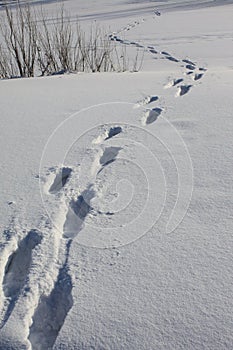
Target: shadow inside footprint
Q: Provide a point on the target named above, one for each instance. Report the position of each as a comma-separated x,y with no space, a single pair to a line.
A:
17,269
52,311
188,62
147,100
190,67
153,99
109,155
152,115
184,89
81,207
177,81
173,59
60,180
153,51
198,76
165,53
113,132
77,213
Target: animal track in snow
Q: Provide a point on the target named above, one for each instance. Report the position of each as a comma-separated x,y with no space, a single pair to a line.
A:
139,46
151,116
77,213
173,59
201,69
60,180
188,62
190,67
146,101
177,81
183,90
165,53
17,269
108,134
113,35
153,51
174,82
113,132
109,155
198,76
52,310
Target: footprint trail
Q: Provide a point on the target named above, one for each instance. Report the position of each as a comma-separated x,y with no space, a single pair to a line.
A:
53,307
60,180
52,310
183,90
17,270
151,116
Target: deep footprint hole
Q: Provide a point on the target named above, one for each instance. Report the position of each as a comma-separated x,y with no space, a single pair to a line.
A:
60,180
113,132
198,76
188,62
153,115
17,269
109,155
184,89
177,81
190,67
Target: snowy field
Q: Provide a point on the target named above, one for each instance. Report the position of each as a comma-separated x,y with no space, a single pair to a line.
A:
116,196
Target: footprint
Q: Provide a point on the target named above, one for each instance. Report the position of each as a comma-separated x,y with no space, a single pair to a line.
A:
173,83
202,69
81,206
119,40
153,51
139,46
146,100
190,67
107,134
60,180
165,53
188,62
183,89
177,81
77,213
109,155
17,269
198,76
173,59
151,116
113,132
51,312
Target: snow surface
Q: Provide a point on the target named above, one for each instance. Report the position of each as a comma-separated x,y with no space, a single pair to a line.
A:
116,211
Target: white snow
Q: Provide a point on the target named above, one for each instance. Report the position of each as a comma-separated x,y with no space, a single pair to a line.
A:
116,210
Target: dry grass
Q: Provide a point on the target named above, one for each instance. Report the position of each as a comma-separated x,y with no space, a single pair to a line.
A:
31,48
